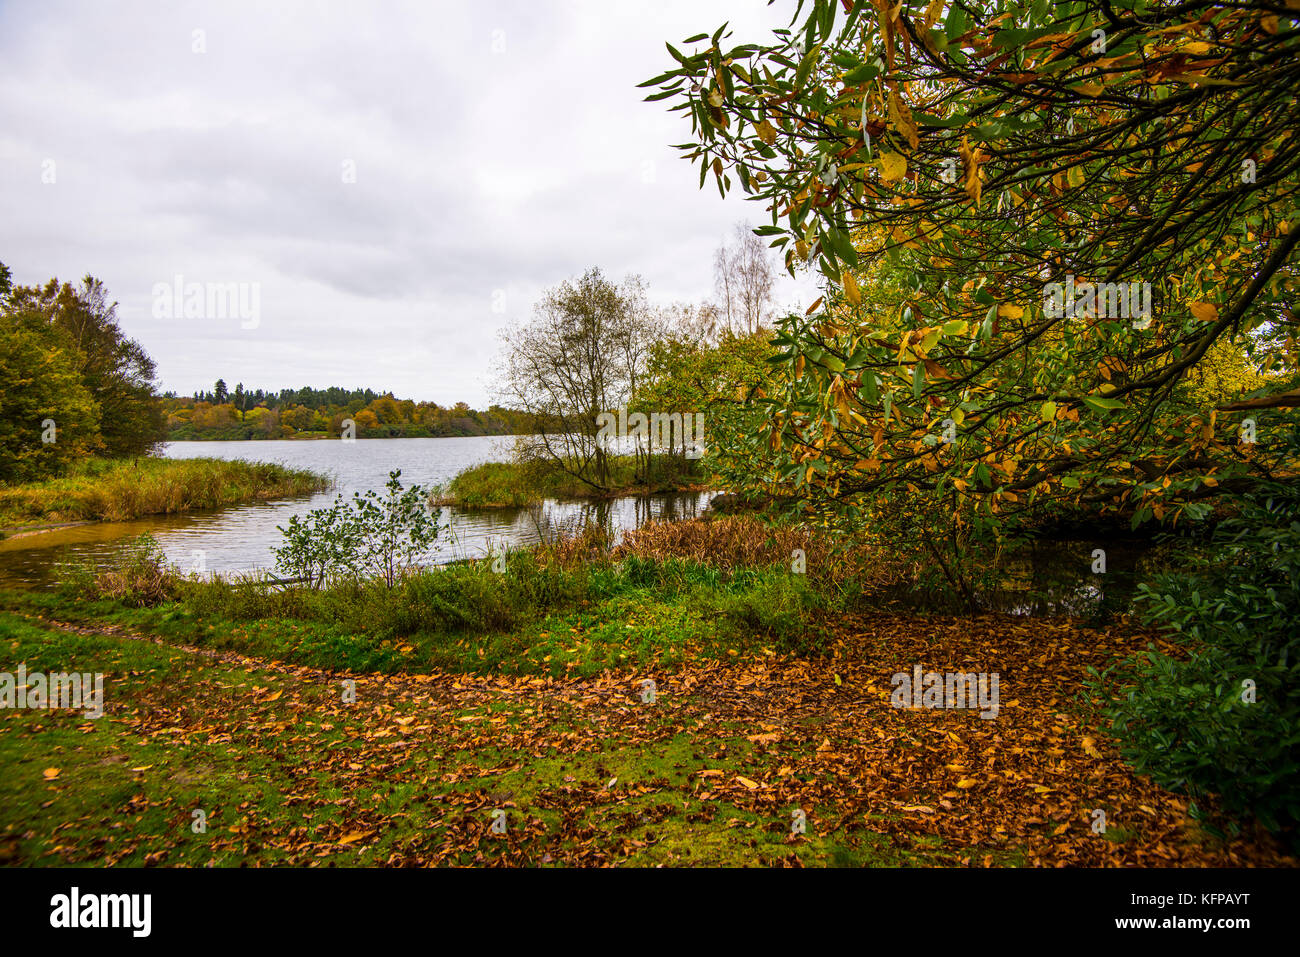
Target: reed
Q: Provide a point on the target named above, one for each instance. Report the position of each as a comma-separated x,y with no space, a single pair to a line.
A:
117,490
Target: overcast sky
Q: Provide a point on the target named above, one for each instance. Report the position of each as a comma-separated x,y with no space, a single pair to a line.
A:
497,149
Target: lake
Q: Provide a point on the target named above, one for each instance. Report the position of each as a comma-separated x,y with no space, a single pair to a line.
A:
240,538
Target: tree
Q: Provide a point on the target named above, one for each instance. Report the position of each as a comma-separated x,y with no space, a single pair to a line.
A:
241,400
116,370
574,361
702,323
953,171
366,421
48,418
219,394
744,277
689,377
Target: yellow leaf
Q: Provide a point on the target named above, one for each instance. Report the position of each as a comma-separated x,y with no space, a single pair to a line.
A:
1204,311
901,118
353,837
1091,88
1048,411
1009,310
971,159
51,773
752,785
967,783
851,289
892,166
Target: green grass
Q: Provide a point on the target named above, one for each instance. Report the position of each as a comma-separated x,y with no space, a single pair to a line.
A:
479,691
283,776
117,490
515,485
536,618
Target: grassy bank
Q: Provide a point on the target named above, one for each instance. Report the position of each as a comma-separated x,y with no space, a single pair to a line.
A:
515,485
116,490
570,608
523,690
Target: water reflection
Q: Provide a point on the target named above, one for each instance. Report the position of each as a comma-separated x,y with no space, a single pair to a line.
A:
241,538
1056,578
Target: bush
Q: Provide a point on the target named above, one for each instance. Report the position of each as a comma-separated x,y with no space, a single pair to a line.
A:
140,578
370,536
1189,720
490,485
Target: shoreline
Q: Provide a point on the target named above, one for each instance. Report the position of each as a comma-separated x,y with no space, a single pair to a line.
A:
629,491
103,490
25,531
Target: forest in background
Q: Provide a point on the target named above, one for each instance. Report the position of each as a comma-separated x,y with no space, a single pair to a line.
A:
224,414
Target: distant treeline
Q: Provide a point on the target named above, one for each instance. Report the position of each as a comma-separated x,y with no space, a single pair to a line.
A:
225,414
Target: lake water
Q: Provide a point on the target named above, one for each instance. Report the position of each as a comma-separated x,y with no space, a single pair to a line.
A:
240,538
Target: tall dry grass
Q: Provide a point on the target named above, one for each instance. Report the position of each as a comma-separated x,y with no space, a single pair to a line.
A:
116,490
735,541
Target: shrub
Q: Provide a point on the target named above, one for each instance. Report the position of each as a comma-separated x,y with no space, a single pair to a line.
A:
140,578
1188,720
370,536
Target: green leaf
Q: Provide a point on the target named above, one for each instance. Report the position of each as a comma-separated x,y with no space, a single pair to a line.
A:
869,387
1102,404
955,25
868,71
805,67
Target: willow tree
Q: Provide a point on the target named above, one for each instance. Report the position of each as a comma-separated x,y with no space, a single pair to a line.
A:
1033,221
